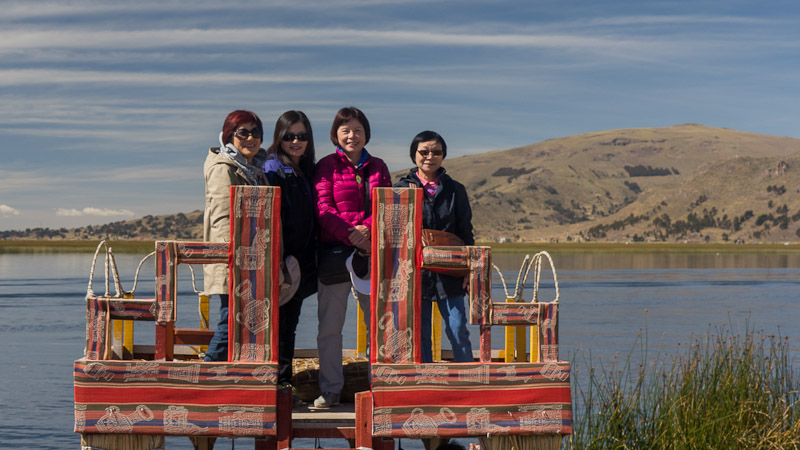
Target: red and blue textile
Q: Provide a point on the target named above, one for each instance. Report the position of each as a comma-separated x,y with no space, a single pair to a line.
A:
471,399
396,257
175,398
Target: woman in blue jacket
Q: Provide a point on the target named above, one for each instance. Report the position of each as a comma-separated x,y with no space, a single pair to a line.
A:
446,208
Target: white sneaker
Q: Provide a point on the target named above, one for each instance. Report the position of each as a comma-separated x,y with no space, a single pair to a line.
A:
327,400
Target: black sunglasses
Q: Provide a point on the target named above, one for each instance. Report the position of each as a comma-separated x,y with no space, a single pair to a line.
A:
428,152
289,137
243,133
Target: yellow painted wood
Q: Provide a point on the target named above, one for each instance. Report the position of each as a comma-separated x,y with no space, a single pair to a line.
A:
117,336
521,342
204,315
534,343
510,332
127,334
436,333
361,334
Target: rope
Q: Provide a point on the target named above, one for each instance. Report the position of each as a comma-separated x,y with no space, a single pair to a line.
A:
526,268
136,276
502,279
537,268
529,263
110,265
518,288
203,320
194,285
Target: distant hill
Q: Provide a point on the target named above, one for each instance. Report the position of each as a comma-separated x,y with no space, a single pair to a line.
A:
187,226
683,183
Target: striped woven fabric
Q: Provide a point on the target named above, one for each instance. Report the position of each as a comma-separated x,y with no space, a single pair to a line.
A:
513,314
166,281
132,309
203,252
443,259
98,328
175,398
548,332
254,273
471,399
480,283
396,254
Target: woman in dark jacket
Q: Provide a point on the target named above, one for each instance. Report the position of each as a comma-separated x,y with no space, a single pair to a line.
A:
290,166
446,208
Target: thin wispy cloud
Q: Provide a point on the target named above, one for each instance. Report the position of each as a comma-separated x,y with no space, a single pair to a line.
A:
16,40
92,211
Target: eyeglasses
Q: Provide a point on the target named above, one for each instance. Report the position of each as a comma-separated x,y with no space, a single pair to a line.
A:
424,153
289,137
243,133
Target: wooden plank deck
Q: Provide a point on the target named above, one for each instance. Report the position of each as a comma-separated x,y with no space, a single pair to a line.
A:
336,422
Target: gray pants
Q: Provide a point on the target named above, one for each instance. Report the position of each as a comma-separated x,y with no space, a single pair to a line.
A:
331,313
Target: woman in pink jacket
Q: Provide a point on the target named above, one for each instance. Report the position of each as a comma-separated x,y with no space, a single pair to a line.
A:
343,184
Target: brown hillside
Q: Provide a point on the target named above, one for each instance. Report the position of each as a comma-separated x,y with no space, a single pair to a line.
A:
561,188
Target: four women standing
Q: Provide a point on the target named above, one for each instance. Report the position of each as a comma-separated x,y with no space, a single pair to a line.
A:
330,202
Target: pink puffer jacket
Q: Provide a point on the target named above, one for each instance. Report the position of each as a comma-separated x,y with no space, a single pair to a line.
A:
340,197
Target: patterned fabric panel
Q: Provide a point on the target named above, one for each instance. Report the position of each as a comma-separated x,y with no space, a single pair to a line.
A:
132,309
548,332
471,399
396,255
444,258
175,398
513,314
480,284
203,252
254,272
98,328
166,281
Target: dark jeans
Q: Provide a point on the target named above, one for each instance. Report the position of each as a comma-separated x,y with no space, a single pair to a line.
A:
288,317
218,348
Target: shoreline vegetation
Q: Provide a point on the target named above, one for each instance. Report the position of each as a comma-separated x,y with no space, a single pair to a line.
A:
12,246
730,388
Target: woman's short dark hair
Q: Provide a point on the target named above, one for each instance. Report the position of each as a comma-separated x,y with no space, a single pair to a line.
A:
344,115
286,120
426,136
235,120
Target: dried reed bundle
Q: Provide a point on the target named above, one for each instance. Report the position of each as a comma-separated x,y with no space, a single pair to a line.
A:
121,441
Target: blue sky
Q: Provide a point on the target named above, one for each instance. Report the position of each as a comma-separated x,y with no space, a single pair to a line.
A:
108,108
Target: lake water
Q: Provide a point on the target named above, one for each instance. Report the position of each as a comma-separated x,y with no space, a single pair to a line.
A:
606,300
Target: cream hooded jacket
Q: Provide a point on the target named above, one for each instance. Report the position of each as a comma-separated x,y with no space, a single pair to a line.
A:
220,174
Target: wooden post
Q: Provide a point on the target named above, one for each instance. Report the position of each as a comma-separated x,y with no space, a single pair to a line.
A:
534,356
510,334
436,333
204,301
361,333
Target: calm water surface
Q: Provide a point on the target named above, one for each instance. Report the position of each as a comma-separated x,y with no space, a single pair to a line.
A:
606,300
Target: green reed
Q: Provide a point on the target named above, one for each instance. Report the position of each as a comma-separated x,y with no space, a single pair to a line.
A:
725,391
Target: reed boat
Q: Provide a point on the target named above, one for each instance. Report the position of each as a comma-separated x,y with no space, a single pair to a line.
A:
131,396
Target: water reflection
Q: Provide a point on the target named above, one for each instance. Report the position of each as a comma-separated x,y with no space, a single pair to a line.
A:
630,261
